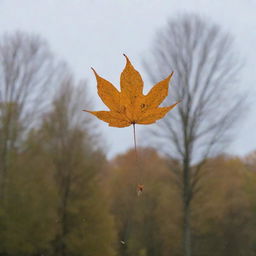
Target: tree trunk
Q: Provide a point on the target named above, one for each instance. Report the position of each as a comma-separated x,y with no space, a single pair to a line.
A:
186,208
186,230
3,170
60,249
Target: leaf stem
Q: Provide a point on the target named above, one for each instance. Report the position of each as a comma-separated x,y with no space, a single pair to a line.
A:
134,139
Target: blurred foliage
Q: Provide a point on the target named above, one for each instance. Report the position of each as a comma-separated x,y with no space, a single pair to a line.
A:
144,223
60,196
223,215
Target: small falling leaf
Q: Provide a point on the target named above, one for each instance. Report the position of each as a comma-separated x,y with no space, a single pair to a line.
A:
131,106
140,188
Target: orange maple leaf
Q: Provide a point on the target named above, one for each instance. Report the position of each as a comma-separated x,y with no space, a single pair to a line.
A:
131,106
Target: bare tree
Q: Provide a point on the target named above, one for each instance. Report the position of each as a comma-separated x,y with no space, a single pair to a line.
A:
26,71
205,67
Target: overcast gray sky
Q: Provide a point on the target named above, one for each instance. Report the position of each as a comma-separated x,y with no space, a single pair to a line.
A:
95,33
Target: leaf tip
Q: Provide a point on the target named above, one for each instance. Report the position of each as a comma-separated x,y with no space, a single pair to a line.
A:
95,73
178,102
93,70
127,59
170,76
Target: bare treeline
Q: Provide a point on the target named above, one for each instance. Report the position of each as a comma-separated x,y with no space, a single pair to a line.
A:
60,196
27,70
50,199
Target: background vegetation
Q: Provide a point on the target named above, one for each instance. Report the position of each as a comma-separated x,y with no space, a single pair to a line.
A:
59,195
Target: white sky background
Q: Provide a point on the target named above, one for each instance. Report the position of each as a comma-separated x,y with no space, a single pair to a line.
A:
95,33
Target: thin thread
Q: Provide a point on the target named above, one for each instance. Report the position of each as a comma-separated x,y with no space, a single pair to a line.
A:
136,154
